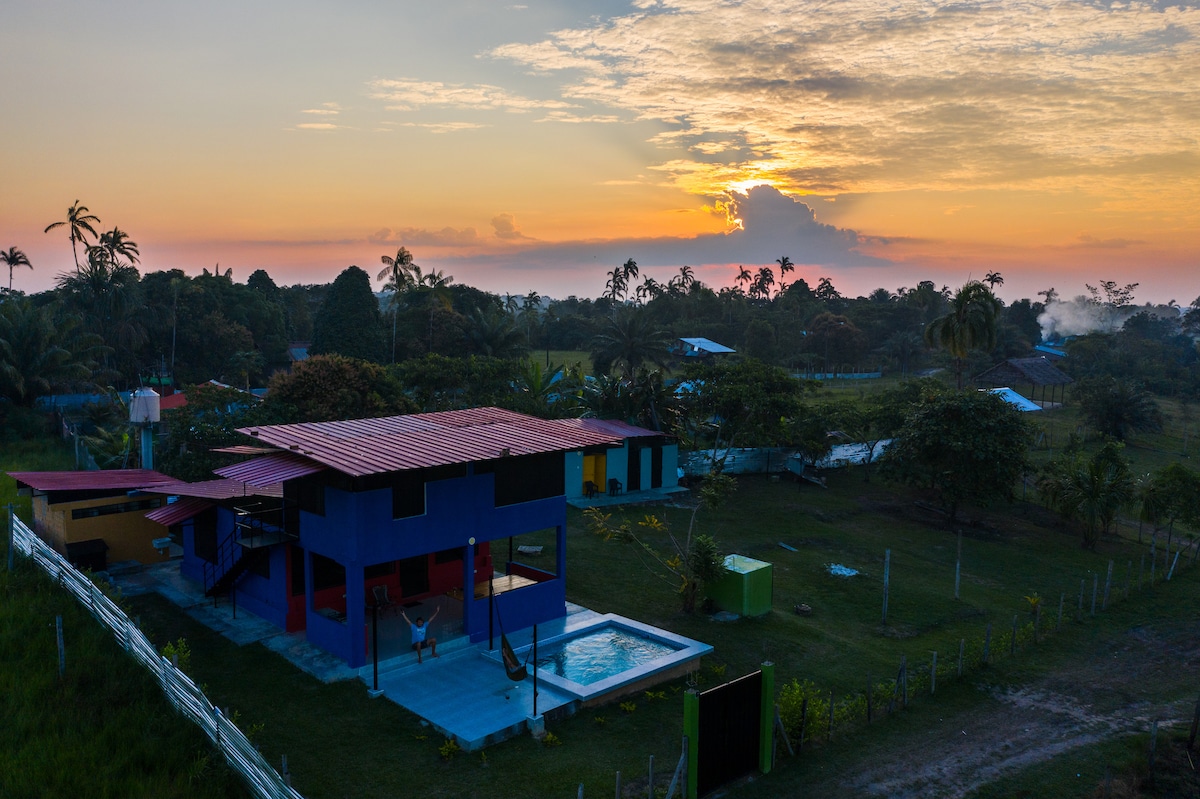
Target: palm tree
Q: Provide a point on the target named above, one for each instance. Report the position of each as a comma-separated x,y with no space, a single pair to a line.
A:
397,273
744,276
11,259
632,339
785,266
970,324
41,351
117,242
993,279
396,270
79,221
494,333
762,283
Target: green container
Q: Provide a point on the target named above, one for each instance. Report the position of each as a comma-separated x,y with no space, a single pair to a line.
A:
746,587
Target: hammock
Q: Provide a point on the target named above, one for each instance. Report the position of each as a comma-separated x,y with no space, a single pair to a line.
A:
513,667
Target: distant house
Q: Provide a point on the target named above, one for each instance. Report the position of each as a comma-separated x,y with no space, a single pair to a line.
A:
700,348
96,518
1038,373
1014,399
644,460
426,508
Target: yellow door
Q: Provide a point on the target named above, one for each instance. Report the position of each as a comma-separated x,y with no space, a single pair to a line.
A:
594,471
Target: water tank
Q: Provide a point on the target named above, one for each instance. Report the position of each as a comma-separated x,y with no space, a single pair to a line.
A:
143,406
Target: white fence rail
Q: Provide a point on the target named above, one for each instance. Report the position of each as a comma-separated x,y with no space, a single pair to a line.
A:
263,780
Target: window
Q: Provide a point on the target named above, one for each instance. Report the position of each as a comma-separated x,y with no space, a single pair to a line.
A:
119,507
528,478
327,573
306,493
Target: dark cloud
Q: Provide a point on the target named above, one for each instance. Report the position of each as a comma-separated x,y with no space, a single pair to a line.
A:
772,225
410,236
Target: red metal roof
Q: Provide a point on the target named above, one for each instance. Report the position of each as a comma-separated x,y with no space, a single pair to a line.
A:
114,479
361,447
218,489
271,469
176,512
612,427
243,449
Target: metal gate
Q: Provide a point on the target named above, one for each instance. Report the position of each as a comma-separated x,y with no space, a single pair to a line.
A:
730,729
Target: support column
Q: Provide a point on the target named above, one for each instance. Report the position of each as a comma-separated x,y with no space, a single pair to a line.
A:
766,734
691,729
356,615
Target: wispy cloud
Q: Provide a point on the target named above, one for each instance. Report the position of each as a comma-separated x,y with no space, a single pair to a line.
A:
854,95
406,94
442,127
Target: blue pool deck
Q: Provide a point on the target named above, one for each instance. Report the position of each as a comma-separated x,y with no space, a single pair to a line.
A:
465,693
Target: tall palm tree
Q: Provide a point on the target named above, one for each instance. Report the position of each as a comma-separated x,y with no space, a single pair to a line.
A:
13,258
79,221
744,276
785,266
396,270
116,242
970,324
42,351
993,279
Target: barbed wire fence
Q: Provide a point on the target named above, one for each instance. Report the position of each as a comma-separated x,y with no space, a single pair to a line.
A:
241,755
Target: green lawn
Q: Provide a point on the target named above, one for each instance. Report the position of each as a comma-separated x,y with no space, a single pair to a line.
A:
341,743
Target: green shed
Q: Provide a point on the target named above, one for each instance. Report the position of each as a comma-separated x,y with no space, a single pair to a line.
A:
746,587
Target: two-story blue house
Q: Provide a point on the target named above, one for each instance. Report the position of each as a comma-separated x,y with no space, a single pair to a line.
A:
340,514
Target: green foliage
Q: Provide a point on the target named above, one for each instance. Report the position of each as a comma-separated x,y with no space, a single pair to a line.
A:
693,561
1118,408
740,403
970,324
331,387
550,739
178,652
349,322
628,706
967,446
43,351
1089,491
449,749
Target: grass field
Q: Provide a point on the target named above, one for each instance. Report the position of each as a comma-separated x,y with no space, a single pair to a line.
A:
341,743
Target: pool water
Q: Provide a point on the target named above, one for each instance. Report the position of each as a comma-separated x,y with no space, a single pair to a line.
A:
604,653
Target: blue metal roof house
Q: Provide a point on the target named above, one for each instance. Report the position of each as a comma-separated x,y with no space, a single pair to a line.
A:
425,510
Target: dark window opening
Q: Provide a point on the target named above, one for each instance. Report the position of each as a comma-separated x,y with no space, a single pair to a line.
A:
117,507
327,573
448,555
529,478
379,570
408,495
204,535
305,493
414,575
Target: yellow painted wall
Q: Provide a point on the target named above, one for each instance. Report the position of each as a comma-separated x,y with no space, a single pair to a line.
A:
129,535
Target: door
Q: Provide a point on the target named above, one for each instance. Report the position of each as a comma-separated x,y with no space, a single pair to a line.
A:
595,471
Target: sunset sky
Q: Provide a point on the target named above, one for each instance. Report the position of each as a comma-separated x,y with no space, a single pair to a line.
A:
535,146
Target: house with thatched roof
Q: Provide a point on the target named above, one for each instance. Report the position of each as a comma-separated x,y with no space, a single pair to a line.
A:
1038,373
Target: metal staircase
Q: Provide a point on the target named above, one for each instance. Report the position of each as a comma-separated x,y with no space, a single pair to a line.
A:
256,530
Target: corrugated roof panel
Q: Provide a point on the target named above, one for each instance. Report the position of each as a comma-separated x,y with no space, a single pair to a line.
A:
180,511
218,489
372,446
271,469
115,479
612,427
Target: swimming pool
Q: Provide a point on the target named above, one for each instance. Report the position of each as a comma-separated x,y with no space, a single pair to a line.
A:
604,653
608,657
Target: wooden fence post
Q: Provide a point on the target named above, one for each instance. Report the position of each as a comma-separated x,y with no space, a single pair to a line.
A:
803,722
618,793
1012,644
933,674
1107,585
650,780
1095,587
887,567
62,650
1128,577
868,698
829,732
962,644
958,564
11,535
1079,613
1141,571
1195,726
1061,598
1153,746
904,671
1173,564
